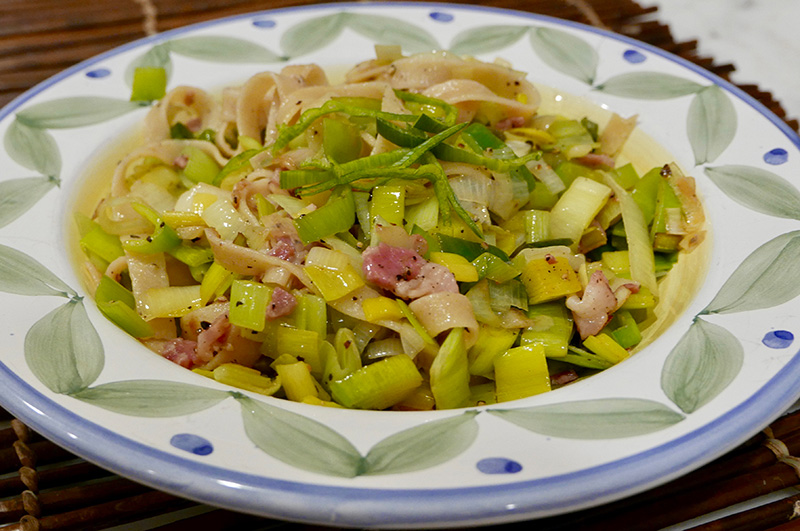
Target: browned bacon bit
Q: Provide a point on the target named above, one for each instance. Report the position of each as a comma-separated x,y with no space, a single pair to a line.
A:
563,377
213,338
405,273
180,161
596,160
593,311
509,123
666,171
385,265
181,351
282,303
194,125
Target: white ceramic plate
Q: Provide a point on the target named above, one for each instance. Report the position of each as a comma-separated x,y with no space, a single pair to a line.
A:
725,368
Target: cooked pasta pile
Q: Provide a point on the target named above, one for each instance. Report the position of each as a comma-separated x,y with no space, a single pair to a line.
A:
415,238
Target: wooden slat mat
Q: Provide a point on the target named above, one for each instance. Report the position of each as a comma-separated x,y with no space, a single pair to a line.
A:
43,487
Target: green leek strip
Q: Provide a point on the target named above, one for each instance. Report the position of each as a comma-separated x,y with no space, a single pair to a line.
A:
556,337
118,304
216,282
312,314
347,350
492,342
178,131
429,124
303,344
638,237
126,318
424,215
521,372
291,179
506,295
163,238
361,201
237,163
450,111
388,202
192,255
248,304
243,377
407,137
207,135
412,156
645,193
450,153
200,166
450,372
106,246
412,319
494,268
337,215
296,380
379,385
149,84
627,334
361,102
171,301
341,141
431,172
482,141
109,289
584,358
370,167
288,133
467,249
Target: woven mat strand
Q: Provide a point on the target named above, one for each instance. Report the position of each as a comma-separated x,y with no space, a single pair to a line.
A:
44,487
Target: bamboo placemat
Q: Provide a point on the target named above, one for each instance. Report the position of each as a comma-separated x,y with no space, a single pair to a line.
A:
43,487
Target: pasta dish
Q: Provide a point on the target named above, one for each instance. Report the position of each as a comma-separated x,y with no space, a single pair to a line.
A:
417,237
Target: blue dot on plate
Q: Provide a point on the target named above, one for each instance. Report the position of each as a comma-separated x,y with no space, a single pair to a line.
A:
264,23
192,443
778,339
498,465
634,56
776,156
98,73
438,16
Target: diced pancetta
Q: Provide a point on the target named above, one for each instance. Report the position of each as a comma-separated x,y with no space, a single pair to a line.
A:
282,303
593,311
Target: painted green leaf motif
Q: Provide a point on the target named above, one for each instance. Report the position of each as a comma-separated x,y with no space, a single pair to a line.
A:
64,350
223,50
33,148
565,52
706,359
485,39
18,195
151,398
423,446
605,418
711,124
299,441
385,30
155,57
21,274
312,34
769,276
757,189
649,86
76,111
